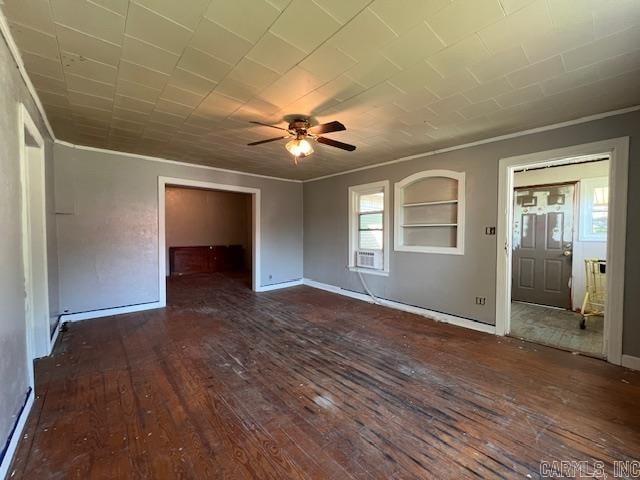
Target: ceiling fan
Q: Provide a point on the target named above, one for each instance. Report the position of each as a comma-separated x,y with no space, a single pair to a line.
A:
301,131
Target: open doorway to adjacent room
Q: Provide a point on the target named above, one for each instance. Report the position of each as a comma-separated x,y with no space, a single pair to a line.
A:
559,254
208,237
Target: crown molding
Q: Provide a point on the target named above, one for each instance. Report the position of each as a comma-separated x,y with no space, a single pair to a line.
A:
522,133
173,162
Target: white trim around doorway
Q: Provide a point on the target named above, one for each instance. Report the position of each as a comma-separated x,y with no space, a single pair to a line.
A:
184,182
38,330
617,149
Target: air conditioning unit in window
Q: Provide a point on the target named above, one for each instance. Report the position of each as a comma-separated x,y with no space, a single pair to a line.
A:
369,259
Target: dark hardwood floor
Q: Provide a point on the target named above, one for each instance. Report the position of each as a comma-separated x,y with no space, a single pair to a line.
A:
301,383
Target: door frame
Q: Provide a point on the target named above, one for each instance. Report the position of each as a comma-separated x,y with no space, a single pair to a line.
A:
184,182
617,149
38,333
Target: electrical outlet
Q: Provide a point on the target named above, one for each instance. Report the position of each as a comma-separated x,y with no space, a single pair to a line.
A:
481,300
489,230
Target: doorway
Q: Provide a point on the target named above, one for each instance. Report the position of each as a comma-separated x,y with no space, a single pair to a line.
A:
34,246
560,215
554,273
201,231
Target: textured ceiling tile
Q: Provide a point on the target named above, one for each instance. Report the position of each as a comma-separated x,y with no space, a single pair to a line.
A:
341,10
573,79
49,98
512,6
88,46
116,6
364,25
449,104
464,17
149,56
76,64
89,86
85,100
537,72
252,73
341,88
247,18
191,82
133,72
459,56
290,87
372,71
402,17
89,18
415,78
305,25
179,95
140,91
219,42
417,44
236,90
35,41
122,113
415,100
327,62
48,84
187,14
218,106
488,90
454,83
609,20
204,65
500,64
167,106
531,21
558,40
43,66
521,95
275,53
616,44
31,13
621,64
480,109
147,25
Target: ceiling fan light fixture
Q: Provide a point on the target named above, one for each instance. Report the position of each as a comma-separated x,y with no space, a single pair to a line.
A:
299,148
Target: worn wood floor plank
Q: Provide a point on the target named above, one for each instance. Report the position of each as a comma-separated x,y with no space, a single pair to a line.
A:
304,384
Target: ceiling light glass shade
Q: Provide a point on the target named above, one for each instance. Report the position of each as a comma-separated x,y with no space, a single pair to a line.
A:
299,147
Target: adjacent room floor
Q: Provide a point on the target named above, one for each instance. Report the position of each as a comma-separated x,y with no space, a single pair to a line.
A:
302,383
556,328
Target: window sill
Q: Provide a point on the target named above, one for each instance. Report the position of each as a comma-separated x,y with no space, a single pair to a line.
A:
370,271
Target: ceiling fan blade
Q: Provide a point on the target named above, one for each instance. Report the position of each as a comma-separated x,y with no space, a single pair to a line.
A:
267,125
335,143
267,141
327,128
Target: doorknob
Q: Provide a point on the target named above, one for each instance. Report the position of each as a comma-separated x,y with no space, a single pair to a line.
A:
567,253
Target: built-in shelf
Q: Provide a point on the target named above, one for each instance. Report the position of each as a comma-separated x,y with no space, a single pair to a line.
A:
409,225
438,226
423,204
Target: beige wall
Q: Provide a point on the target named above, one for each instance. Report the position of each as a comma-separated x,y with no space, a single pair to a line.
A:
581,249
206,217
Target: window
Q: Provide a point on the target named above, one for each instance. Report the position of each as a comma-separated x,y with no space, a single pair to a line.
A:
369,227
594,209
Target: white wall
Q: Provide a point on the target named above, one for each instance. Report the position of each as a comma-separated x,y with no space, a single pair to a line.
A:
581,249
108,227
206,217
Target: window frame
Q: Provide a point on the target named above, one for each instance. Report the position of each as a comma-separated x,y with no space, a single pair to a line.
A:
354,225
587,187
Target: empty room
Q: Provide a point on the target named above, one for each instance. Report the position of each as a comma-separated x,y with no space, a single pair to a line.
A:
319,239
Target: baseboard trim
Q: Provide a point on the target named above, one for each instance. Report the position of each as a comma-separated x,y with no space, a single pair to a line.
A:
15,436
433,315
631,362
54,337
278,286
107,312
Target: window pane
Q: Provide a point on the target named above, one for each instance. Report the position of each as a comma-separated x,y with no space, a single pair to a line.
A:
371,239
601,196
371,221
599,222
373,202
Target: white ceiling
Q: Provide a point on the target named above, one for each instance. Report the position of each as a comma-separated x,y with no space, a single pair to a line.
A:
182,79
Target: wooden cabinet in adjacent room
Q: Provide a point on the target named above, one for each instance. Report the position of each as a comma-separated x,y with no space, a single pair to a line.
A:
205,259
